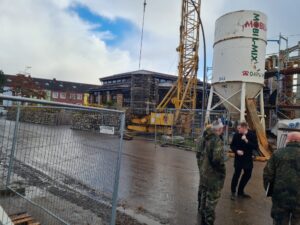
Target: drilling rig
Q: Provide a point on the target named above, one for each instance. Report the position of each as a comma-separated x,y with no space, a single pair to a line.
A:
183,93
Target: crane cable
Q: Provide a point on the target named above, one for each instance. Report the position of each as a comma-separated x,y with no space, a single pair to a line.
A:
142,34
204,66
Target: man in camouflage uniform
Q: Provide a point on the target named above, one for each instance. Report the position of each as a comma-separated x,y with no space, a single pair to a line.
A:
200,157
212,172
282,175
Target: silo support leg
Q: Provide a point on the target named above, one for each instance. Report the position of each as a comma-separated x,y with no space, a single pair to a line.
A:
262,108
210,98
243,102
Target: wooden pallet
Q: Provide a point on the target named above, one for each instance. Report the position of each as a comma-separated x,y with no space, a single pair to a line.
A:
255,124
23,219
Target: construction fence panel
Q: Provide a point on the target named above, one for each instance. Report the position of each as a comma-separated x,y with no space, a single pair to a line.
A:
184,127
60,164
142,130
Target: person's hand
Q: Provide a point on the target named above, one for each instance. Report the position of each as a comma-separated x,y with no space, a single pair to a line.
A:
240,152
244,138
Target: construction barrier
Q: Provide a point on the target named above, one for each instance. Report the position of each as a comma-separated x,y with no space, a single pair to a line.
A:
178,128
184,127
60,163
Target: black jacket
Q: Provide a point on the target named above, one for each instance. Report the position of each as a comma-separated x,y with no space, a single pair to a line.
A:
237,143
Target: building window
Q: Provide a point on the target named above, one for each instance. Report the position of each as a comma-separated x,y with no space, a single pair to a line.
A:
109,81
79,96
119,81
123,80
114,81
63,95
73,96
55,95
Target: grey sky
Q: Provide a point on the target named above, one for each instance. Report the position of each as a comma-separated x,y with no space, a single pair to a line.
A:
55,43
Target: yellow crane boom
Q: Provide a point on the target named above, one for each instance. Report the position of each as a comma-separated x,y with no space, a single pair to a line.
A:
184,92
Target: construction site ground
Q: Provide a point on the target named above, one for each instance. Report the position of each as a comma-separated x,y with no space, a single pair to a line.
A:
158,185
163,181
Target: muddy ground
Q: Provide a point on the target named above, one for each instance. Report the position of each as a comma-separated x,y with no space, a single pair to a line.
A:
164,181
158,185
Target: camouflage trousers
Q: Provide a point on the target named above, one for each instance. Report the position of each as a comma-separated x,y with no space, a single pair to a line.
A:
208,199
285,217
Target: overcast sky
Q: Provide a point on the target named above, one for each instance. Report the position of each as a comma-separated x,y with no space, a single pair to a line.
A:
82,40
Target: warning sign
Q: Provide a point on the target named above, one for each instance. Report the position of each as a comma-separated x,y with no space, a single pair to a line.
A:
107,130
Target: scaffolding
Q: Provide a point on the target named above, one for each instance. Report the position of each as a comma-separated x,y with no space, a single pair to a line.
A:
282,81
144,94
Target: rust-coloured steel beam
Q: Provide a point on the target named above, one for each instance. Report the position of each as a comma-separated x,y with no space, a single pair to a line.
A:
289,71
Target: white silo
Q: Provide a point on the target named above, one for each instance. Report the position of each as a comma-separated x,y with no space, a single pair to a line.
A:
239,60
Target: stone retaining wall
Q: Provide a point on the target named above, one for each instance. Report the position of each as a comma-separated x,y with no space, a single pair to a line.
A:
45,116
78,119
84,120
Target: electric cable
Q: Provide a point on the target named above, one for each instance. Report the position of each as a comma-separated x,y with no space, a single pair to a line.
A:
204,65
142,34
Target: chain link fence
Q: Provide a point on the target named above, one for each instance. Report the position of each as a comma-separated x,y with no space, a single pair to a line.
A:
177,128
60,163
183,128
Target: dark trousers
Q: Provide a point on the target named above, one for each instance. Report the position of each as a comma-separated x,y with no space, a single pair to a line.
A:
288,219
244,180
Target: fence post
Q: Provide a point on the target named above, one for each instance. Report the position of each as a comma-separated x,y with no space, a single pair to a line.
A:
117,176
155,129
172,127
13,148
227,127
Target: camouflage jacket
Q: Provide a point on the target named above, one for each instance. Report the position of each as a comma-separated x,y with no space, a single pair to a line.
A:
212,168
283,172
201,146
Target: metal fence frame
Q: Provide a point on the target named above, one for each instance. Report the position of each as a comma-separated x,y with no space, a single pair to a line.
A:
155,133
20,100
194,125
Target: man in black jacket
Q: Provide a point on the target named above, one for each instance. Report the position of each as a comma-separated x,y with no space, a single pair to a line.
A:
243,144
